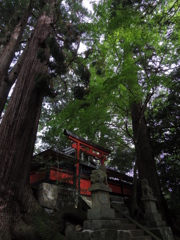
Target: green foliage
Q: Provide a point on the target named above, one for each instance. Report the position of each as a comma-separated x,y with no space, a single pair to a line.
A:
56,51
132,48
123,158
11,13
84,74
168,166
79,92
132,56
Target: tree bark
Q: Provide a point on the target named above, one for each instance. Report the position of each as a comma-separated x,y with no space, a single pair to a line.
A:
144,152
7,84
8,54
9,51
18,131
135,209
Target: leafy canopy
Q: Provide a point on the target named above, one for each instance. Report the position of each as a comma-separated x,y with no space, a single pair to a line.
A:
131,51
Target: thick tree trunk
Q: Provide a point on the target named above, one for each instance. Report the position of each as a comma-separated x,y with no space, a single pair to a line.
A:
18,130
9,51
135,209
5,86
145,159
8,54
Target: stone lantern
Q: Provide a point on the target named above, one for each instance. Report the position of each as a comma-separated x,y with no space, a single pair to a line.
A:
100,196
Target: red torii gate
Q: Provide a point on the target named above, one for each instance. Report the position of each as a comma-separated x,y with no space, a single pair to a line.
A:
80,144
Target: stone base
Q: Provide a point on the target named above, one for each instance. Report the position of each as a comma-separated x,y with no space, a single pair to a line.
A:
104,224
132,234
119,203
100,195
100,186
101,213
105,234
154,220
163,233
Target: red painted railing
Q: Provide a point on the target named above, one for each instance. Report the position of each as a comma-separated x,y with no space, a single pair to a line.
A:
67,177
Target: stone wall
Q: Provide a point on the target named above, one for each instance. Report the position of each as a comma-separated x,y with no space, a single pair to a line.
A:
54,197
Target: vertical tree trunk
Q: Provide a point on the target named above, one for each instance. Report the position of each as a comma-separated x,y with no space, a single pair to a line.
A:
135,209
8,54
18,129
6,85
145,159
9,51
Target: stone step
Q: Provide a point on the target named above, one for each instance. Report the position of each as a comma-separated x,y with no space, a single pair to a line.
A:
103,234
127,226
118,215
122,220
136,233
128,234
106,234
105,224
141,238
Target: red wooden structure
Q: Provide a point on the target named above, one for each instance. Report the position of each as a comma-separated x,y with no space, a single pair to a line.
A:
80,144
91,149
65,173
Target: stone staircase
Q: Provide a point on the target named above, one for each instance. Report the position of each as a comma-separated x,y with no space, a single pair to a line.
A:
134,229
118,229
121,228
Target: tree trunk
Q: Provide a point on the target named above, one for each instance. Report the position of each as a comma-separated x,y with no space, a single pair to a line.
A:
135,209
8,54
145,159
9,51
6,85
18,131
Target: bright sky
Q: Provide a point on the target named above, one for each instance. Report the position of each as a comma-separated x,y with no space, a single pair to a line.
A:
88,4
